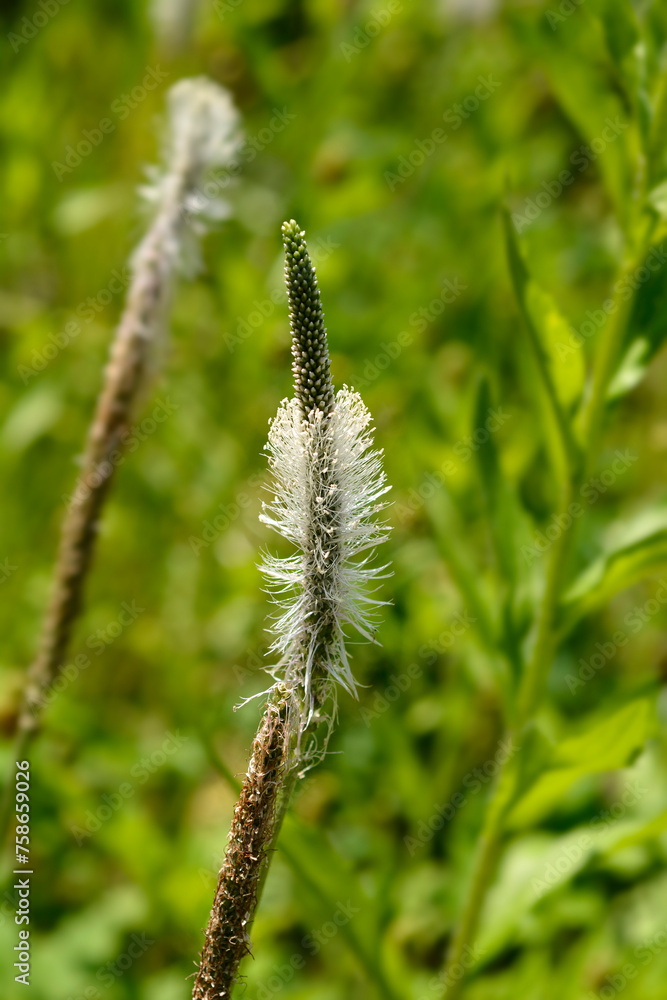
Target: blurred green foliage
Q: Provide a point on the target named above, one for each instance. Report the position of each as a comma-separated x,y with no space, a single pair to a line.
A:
401,127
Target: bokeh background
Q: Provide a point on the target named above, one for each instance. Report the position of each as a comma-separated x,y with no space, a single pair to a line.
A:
405,225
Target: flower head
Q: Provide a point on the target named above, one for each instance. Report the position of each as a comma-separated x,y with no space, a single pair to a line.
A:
313,387
202,133
327,492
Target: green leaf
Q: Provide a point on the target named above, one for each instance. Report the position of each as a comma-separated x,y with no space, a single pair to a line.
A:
496,490
635,834
576,60
535,865
547,324
619,27
609,744
329,883
649,313
658,199
511,531
631,370
561,378
612,743
634,551
526,874
567,370
450,537
537,751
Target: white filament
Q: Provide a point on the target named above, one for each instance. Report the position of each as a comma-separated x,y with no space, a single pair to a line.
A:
202,133
305,455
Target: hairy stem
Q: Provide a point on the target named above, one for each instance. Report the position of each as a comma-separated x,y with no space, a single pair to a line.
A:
201,126
246,860
367,960
125,377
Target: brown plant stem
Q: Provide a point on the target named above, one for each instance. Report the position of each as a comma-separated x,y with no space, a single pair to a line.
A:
125,377
254,829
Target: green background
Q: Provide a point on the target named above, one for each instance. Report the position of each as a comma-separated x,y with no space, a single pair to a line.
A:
366,85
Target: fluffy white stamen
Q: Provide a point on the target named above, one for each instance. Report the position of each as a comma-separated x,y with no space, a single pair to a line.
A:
328,489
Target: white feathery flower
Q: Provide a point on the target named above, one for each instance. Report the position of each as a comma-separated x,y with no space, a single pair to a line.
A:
203,132
327,492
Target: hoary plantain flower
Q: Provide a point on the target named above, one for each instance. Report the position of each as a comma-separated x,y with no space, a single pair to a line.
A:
202,133
328,485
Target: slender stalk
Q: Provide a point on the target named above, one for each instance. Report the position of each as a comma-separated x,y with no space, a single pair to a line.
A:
246,859
125,376
567,446
202,119
368,961
488,848
607,357
530,692
537,669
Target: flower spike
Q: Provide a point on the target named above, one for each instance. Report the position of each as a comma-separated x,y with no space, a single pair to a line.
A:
328,485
